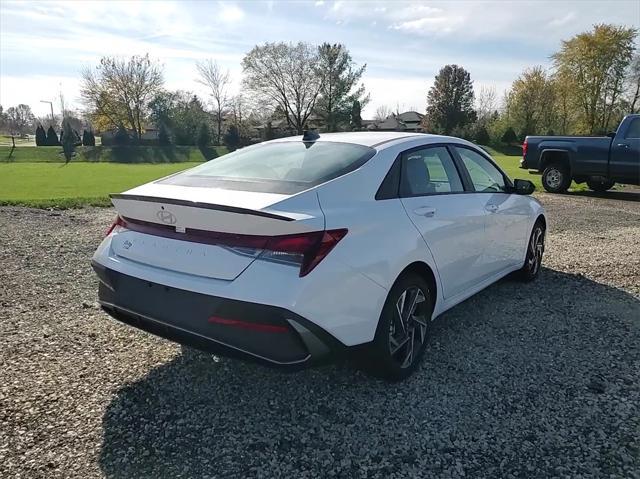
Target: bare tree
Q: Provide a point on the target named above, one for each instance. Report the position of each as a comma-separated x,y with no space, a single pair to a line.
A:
19,120
285,76
218,82
486,102
382,112
117,91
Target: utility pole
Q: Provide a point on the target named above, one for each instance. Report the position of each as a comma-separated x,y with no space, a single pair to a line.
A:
53,120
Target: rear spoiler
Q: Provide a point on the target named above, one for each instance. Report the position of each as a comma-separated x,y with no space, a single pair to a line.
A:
195,204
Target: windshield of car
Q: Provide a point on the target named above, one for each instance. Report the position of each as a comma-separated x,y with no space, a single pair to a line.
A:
279,167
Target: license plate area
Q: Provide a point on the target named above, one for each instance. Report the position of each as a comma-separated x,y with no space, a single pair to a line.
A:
199,259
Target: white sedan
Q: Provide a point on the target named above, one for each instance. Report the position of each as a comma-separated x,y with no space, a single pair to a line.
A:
290,250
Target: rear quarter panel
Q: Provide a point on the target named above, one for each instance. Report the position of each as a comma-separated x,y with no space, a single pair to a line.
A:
587,155
382,241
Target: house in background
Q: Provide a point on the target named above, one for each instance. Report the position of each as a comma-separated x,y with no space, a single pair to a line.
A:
407,121
151,134
410,121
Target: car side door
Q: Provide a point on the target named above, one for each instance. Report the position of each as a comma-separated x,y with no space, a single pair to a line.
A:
451,222
624,165
508,214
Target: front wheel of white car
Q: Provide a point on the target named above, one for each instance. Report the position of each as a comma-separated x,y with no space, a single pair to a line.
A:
535,250
402,330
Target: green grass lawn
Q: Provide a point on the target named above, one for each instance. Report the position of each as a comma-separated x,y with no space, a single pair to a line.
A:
122,154
46,185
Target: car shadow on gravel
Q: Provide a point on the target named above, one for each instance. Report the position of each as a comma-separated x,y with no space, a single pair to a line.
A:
515,376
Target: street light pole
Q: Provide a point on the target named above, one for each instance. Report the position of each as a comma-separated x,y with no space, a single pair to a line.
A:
53,120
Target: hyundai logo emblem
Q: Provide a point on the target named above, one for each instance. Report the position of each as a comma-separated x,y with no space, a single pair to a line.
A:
166,217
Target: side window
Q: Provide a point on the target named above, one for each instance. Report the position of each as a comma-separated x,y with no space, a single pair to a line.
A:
484,176
429,171
634,130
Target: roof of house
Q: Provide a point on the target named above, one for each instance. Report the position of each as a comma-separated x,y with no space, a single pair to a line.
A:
407,120
410,116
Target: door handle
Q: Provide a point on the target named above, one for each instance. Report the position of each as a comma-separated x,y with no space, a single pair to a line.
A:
426,211
623,145
491,208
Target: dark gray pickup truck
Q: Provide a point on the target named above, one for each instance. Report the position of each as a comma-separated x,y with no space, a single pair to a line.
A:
600,161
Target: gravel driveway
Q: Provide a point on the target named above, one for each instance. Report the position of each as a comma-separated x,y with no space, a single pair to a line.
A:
541,380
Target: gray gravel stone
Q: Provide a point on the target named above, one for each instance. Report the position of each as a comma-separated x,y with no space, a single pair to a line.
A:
537,380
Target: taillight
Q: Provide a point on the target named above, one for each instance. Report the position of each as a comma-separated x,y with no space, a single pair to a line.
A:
304,249
117,222
525,146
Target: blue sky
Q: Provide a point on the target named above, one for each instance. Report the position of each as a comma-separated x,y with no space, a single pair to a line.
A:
44,45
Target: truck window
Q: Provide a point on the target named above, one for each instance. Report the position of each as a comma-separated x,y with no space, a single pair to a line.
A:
634,129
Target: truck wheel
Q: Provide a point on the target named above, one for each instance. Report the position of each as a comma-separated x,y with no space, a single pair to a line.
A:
599,184
556,178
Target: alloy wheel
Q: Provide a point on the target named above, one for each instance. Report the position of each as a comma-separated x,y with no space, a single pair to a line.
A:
408,328
535,250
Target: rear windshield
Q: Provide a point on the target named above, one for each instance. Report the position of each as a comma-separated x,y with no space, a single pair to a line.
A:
280,167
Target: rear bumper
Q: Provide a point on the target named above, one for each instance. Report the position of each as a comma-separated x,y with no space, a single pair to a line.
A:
262,333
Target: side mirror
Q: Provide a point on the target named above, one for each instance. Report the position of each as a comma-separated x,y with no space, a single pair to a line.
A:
523,187
611,134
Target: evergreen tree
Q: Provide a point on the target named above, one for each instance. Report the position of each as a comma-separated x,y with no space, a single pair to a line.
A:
232,138
52,137
204,136
41,136
88,138
163,136
268,132
340,86
509,137
121,137
450,100
356,112
482,136
68,141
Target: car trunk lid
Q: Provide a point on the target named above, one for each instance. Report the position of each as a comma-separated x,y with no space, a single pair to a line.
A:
193,230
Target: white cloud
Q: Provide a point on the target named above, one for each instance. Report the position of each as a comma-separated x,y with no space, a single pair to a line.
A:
490,20
231,13
319,3
561,21
427,25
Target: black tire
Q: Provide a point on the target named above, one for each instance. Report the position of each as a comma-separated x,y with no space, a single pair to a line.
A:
382,361
556,178
535,250
599,184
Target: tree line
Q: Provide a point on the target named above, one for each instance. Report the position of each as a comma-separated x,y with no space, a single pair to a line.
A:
593,81
281,82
